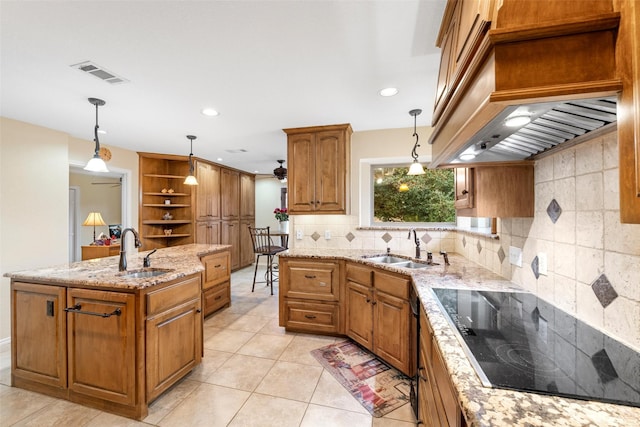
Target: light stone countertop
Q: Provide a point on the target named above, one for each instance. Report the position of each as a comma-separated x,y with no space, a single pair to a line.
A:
484,406
101,273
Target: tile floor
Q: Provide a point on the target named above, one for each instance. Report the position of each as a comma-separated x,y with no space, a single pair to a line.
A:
253,374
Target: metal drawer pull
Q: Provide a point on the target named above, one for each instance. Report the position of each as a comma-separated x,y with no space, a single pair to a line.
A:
78,309
218,266
218,297
423,378
309,316
309,277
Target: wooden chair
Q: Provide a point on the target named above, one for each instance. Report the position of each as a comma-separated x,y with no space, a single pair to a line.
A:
263,245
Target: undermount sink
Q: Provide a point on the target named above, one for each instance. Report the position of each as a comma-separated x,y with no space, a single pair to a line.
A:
387,259
144,272
410,264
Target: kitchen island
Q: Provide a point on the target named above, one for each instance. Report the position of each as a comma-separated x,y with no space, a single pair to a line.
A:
478,405
112,340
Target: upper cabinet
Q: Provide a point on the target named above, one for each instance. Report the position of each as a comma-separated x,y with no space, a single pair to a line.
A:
247,196
229,186
318,164
207,191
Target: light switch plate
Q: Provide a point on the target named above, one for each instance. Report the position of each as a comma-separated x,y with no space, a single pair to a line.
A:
299,234
515,256
327,234
542,263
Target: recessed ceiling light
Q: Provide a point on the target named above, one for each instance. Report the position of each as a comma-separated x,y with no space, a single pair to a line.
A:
517,121
256,171
209,112
388,91
467,157
219,159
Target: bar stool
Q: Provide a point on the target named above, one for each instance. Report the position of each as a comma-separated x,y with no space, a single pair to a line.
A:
263,245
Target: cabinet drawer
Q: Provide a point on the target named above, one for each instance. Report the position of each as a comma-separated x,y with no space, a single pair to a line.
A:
429,411
317,280
360,274
445,388
216,269
312,317
425,334
393,285
173,295
216,297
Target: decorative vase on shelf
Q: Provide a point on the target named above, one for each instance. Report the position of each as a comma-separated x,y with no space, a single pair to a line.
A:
283,226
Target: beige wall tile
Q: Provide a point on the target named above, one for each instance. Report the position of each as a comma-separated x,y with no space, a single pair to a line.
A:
589,157
623,238
564,260
564,191
589,264
589,192
611,189
590,229
610,151
623,271
564,230
564,164
588,308
565,293
543,170
621,319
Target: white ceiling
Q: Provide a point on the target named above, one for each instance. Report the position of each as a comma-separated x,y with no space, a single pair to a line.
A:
264,65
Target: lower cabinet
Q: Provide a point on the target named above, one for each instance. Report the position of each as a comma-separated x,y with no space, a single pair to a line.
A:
230,235
311,295
379,315
110,349
216,282
437,402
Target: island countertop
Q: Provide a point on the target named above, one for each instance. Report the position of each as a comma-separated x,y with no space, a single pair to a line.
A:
103,272
484,406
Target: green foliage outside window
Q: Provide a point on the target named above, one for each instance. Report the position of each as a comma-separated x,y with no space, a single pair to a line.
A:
398,197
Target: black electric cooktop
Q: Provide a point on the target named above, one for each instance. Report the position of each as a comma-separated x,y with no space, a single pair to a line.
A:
518,341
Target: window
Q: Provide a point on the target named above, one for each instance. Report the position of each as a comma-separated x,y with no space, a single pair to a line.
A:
400,198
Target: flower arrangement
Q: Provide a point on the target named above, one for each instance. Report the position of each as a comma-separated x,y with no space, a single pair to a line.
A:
281,214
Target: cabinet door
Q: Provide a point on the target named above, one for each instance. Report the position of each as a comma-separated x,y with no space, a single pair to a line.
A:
464,188
312,280
216,297
359,314
428,414
311,317
38,334
207,191
216,269
173,346
246,245
102,362
446,68
301,172
208,232
392,332
247,196
330,153
230,235
230,187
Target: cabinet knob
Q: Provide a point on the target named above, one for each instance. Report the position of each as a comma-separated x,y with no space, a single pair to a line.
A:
464,192
309,316
374,302
198,310
307,276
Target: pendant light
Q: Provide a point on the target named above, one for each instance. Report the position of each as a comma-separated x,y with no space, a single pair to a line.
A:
280,172
191,179
96,164
415,168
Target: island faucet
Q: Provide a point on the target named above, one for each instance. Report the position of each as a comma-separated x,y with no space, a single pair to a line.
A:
122,266
415,238
146,262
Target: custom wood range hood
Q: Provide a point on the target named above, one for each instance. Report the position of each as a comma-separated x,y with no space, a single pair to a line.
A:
554,62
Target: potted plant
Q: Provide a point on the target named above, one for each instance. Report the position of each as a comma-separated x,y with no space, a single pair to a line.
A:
282,215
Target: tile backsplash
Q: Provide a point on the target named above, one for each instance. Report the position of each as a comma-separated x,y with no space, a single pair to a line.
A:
593,261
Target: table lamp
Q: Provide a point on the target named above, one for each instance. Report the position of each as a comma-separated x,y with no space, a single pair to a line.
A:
94,219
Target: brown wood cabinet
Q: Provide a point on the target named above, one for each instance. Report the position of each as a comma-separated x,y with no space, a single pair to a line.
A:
247,196
208,232
96,251
379,315
162,191
230,235
216,282
207,191
318,178
495,191
437,401
230,190
115,350
310,296
247,256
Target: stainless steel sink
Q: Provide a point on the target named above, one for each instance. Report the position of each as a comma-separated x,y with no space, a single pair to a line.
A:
387,259
410,264
144,272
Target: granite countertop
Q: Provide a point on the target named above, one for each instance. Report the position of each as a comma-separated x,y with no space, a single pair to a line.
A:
484,406
103,272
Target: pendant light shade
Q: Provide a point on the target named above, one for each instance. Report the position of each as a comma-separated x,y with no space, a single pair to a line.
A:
280,172
191,179
96,164
415,168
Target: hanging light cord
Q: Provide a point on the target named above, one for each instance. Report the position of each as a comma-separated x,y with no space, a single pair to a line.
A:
95,133
414,152
190,157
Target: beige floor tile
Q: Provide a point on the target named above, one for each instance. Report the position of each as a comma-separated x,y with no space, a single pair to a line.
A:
268,411
59,413
268,308
248,323
211,361
299,350
221,319
241,372
226,340
330,392
291,381
209,405
17,404
321,416
273,328
160,407
403,413
241,307
388,422
105,419
267,346
5,376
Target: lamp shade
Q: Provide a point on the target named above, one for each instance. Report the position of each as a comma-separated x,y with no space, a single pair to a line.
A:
94,219
96,164
416,169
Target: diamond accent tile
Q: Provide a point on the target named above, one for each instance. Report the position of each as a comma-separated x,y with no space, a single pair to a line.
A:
501,254
479,246
350,236
554,210
535,267
426,238
315,236
464,241
604,290
387,237
604,367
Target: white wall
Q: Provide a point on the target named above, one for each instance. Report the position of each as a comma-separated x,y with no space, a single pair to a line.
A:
267,199
34,184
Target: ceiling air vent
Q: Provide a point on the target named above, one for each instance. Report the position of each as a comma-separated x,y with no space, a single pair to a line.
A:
236,151
99,72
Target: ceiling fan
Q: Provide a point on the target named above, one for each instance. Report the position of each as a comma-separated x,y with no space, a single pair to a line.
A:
117,183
